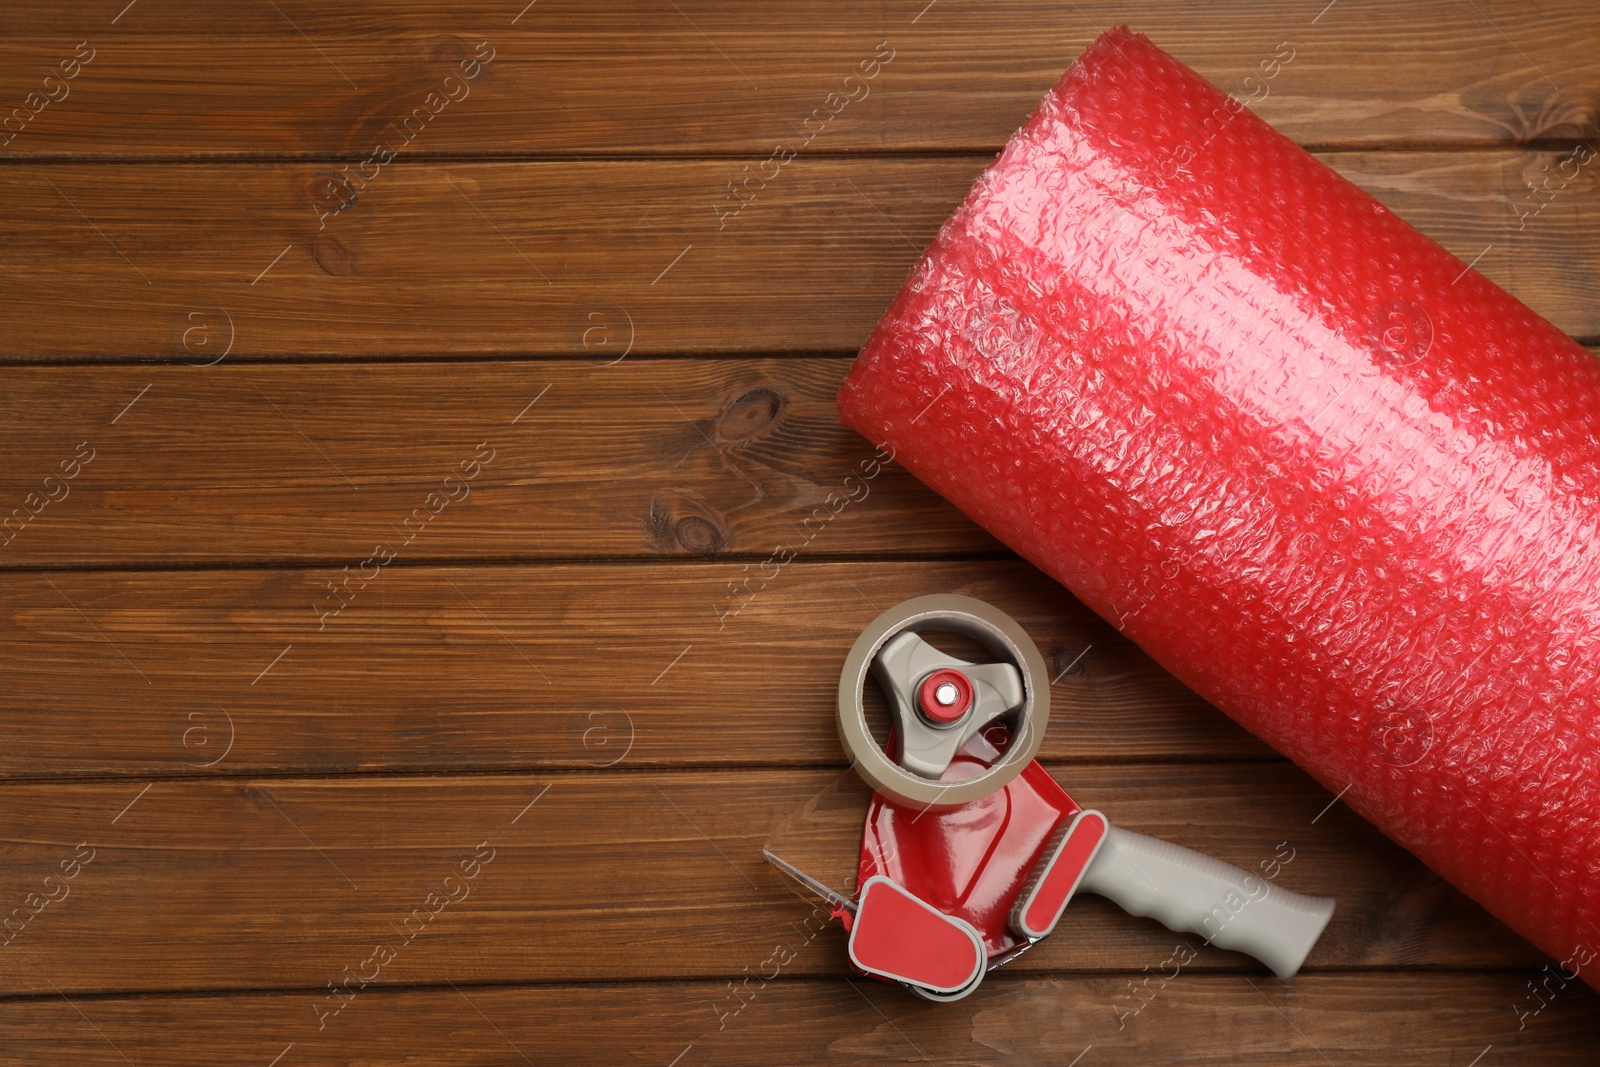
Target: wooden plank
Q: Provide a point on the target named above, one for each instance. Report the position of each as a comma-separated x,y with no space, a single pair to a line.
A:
241,464
598,876
317,464
303,78
430,668
1371,1019
145,261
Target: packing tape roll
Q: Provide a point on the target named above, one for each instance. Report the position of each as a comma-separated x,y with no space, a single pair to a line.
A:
990,627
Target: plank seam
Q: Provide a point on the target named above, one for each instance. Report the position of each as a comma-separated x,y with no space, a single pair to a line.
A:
1212,973
574,769
1537,144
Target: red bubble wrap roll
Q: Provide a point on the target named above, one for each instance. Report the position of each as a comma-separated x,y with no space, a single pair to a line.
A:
1332,479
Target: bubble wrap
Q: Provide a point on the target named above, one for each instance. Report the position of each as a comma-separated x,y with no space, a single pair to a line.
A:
1337,483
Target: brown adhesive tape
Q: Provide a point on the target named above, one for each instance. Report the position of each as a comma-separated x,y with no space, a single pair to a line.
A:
990,627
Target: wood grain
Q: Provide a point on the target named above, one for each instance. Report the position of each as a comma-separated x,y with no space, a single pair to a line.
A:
517,667
282,883
185,262
183,79
235,464
1369,1019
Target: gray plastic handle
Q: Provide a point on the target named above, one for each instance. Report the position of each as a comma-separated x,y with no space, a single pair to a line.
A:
1194,893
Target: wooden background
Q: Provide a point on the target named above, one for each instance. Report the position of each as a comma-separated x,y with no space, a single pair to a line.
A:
269,680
